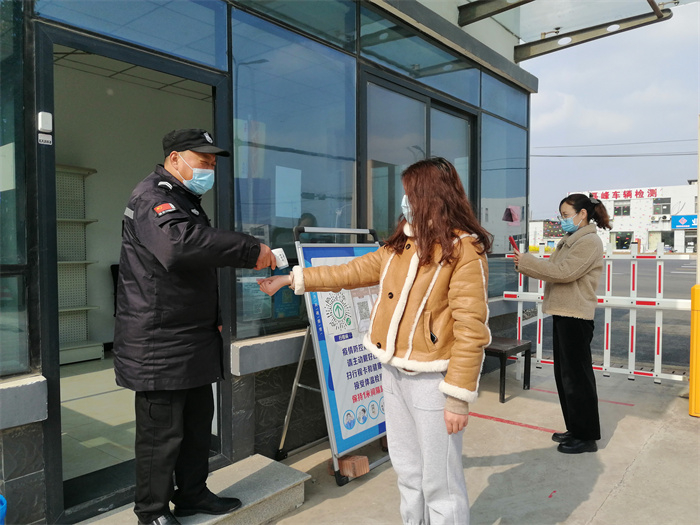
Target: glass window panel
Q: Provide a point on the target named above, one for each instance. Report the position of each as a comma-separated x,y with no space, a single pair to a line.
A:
14,342
403,50
294,140
662,205
503,194
395,139
503,100
331,20
623,240
12,230
621,207
450,137
194,30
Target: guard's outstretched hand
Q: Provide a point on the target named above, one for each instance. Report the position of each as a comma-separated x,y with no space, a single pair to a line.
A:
266,258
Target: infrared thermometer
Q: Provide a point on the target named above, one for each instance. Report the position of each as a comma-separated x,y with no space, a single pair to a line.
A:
280,257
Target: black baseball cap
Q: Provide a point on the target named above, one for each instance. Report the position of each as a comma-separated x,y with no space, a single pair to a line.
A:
198,140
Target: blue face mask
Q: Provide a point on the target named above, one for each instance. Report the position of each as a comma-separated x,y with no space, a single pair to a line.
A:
406,210
202,180
568,224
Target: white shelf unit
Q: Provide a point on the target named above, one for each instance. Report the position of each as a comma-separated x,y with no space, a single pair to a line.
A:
71,225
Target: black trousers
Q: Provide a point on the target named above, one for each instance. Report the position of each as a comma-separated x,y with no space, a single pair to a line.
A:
173,436
574,376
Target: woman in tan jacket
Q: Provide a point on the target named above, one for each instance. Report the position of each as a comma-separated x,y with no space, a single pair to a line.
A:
428,328
571,278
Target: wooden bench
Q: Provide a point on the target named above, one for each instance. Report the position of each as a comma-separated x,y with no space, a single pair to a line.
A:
503,347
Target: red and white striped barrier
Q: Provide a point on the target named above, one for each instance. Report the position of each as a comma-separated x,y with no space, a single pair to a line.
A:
610,301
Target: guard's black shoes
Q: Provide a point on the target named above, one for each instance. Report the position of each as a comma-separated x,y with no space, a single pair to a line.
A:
165,519
577,446
209,504
561,437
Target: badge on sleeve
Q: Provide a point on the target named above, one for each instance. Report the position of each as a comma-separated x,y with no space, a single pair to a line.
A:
164,208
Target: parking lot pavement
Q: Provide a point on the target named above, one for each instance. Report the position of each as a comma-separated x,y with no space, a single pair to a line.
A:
647,468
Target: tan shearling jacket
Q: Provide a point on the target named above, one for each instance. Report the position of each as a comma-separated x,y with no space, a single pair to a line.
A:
428,319
571,274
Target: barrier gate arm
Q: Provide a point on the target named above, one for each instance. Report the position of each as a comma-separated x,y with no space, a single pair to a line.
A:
632,302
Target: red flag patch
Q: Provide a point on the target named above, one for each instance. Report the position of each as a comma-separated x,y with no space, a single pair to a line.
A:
164,208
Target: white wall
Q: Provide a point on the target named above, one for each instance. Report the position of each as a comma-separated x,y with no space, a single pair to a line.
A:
115,128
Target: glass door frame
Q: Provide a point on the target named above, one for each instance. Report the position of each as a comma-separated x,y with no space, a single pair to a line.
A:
41,164
369,73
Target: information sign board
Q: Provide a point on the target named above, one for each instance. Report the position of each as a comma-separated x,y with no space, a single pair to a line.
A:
350,376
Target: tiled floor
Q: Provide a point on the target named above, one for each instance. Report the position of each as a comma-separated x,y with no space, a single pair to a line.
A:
97,418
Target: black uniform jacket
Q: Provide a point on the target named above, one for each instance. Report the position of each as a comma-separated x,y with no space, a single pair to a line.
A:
166,333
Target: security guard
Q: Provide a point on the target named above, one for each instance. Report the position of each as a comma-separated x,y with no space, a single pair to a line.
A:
167,343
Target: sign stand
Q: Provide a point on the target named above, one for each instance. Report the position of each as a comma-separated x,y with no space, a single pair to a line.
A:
350,376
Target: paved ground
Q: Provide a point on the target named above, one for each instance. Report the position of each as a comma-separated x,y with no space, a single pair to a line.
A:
647,470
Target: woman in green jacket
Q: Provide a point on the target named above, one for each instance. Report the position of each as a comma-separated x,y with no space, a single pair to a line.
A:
571,278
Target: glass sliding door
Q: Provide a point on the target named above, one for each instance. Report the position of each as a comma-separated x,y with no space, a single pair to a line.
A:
396,138
450,137
404,127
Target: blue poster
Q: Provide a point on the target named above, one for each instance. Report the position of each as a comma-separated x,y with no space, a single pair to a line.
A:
684,222
351,377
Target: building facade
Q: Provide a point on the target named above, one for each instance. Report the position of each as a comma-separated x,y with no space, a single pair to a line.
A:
322,104
666,215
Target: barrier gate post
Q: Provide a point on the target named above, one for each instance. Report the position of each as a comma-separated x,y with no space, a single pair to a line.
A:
694,391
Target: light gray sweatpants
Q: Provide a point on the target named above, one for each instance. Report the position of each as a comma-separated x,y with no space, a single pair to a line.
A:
426,459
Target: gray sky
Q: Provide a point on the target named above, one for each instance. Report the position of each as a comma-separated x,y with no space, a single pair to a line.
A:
638,86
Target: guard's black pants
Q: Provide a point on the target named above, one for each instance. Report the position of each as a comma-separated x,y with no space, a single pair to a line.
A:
173,435
574,376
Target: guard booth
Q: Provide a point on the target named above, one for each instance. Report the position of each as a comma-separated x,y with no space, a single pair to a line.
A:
322,109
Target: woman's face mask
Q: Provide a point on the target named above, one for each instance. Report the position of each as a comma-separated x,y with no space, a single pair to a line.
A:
202,180
568,225
406,210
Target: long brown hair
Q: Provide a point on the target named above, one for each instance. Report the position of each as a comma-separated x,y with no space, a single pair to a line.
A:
439,206
597,211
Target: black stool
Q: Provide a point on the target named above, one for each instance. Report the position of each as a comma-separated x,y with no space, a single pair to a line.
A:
502,347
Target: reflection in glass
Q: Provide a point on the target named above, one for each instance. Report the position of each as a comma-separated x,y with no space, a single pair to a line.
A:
395,139
402,49
504,100
331,20
503,194
12,231
450,138
294,151
194,30
14,343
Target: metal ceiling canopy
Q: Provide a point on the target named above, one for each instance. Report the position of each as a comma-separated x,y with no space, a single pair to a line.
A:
480,9
572,38
545,26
